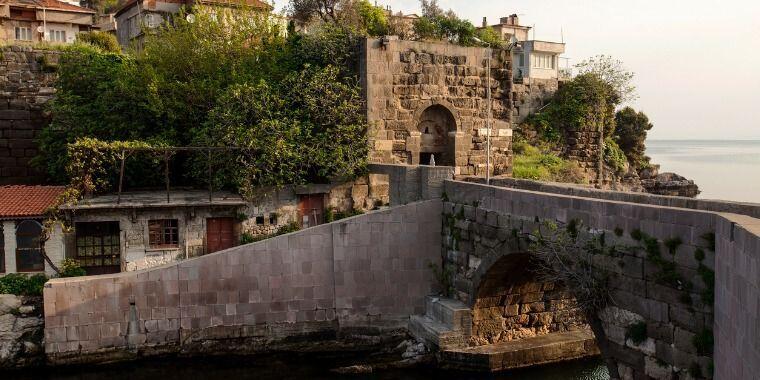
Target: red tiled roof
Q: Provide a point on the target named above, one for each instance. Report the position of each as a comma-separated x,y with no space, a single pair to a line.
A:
47,4
27,201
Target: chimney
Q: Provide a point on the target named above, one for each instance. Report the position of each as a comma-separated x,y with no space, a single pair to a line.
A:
485,22
514,20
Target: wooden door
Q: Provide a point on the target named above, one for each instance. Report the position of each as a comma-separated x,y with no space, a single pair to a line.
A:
311,207
220,234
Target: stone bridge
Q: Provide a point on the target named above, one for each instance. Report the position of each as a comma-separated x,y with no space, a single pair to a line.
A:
688,314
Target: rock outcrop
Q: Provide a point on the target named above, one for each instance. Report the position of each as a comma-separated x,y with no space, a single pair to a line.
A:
668,184
21,331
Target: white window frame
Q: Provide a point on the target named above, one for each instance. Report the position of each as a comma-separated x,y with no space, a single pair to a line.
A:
56,35
544,61
23,31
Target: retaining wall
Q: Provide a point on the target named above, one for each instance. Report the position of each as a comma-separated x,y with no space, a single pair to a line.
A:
371,271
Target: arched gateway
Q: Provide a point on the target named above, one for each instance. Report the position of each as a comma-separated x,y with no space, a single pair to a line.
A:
437,127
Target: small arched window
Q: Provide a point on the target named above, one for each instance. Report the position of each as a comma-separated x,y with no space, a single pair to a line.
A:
29,247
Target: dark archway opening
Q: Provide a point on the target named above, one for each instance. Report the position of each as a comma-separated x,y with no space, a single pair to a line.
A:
436,122
513,303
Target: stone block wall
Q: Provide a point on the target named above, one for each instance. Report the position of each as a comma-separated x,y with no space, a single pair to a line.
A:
737,298
673,315
410,183
530,95
367,271
431,98
26,84
512,303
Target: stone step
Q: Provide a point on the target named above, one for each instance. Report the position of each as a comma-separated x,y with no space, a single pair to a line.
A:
435,334
451,313
543,349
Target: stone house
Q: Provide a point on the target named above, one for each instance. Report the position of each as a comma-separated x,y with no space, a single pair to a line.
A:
138,230
22,210
429,103
137,16
30,21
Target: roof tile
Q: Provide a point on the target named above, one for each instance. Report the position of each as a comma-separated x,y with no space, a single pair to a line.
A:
27,201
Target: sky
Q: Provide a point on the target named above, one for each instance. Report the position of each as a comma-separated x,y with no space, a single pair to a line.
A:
697,62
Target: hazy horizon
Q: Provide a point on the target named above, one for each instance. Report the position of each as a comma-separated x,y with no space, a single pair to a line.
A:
696,62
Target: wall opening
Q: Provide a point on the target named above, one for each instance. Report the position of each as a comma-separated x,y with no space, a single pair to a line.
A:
435,125
512,303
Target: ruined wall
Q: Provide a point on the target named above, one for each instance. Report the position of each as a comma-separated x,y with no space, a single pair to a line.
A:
530,95
370,271
428,99
26,84
673,314
273,208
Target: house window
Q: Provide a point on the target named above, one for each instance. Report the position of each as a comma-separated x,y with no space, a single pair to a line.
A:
57,36
98,247
28,247
544,61
273,219
23,33
521,59
260,220
163,233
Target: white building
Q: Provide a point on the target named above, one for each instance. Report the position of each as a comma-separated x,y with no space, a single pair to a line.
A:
32,21
532,59
22,210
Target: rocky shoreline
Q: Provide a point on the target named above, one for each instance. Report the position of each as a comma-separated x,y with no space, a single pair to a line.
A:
21,331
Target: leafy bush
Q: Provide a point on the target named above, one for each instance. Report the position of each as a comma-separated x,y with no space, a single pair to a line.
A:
190,76
614,156
630,133
288,228
105,41
22,285
247,238
71,268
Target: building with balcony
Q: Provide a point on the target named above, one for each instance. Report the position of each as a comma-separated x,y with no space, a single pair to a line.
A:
33,21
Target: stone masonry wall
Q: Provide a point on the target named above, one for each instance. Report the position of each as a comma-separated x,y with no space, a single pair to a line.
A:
530,95
737,298
26,84
512,304
674,316
368,271
425,98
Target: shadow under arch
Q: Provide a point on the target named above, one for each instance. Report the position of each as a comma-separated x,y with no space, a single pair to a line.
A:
437,126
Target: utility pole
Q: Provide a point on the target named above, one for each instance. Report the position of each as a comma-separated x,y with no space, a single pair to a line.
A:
488,117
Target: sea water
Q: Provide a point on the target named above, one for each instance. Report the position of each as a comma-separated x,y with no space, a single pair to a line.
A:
723,169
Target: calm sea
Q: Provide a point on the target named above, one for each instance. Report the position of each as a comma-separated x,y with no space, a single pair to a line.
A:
723,169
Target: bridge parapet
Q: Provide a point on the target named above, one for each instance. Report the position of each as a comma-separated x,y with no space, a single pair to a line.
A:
675,320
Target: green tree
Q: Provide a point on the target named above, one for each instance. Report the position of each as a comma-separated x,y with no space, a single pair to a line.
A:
373,19
630,133
308,128
612,72
435,24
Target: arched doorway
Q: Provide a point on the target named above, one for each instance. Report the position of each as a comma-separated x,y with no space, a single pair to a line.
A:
29,247
512,303
435,124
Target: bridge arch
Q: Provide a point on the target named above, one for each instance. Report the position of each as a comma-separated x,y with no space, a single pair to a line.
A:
511,301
